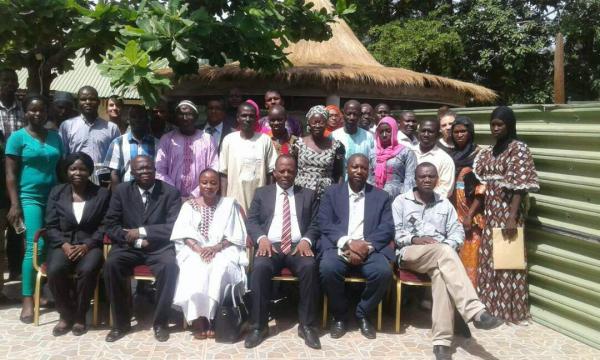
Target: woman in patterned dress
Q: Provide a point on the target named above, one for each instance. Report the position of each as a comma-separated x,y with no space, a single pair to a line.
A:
320,159
209,237
468,194
392,165
508,171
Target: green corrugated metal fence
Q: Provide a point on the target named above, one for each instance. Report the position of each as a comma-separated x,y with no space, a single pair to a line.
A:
563,227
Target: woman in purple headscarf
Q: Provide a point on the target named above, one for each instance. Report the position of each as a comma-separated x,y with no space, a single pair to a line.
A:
393,165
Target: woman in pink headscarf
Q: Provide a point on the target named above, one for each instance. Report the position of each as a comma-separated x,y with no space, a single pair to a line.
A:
393,165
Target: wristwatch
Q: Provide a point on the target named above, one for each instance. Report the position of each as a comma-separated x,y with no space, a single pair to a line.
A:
138,244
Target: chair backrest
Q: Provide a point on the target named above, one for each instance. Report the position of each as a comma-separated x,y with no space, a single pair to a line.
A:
36,238
107,244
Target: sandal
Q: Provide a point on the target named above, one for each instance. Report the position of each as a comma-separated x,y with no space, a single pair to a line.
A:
211,330
199,329
61,328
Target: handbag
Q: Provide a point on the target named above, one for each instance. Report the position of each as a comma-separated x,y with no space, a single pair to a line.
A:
232,314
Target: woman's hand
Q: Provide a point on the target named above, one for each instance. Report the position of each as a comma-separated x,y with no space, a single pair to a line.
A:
510,229
15,213
467,224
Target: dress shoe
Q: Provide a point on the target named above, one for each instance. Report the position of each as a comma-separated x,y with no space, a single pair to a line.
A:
310,336
161,333
366,328
255,337
115,334
61,329
461,328
337,329
79,329
442,352
487,321
26,319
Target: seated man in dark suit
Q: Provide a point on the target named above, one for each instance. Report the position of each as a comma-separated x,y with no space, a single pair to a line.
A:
357,227
139,222
282,222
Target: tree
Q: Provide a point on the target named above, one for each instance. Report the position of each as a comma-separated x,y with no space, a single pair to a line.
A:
136,38
505,45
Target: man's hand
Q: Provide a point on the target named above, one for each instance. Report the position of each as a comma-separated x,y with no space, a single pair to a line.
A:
15,213
265,248
467,224
424,240
78,252
360,247
353,257
131,235
303,248
67,248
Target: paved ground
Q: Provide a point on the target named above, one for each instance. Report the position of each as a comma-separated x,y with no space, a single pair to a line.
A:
533,342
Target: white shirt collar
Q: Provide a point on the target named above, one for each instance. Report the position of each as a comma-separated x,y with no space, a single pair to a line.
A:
359,194
289,191
433,151
142,190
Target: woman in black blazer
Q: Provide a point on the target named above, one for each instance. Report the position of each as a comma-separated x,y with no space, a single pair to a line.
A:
74,235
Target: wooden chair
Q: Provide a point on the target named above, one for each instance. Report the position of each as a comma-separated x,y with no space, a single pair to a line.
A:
42,271
410,278
353,279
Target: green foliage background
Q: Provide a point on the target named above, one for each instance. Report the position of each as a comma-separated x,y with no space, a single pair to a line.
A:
506,45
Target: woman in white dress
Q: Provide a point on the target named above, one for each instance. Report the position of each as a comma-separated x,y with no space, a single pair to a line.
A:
210,238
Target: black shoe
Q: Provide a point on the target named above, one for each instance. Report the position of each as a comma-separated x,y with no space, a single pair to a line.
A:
61,330
337,329
115,334
79,329
161,333
310,336
255,337
442,352
366,328
487,321
26,319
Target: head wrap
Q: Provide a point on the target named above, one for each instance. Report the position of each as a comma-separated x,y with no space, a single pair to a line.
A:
252,103
187,103
507,116
384,154
318,110
463,157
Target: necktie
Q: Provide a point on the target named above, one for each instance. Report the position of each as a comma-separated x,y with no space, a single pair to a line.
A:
210,130
286,232
146,199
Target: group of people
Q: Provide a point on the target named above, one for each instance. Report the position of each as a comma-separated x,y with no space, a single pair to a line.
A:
361,192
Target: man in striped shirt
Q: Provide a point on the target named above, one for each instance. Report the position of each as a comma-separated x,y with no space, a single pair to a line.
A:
11,113
137,141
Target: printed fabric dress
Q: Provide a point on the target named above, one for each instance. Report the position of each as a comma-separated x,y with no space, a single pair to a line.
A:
469,251
504,292
315,169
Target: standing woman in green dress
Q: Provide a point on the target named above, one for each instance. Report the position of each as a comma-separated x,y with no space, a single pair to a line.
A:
32,156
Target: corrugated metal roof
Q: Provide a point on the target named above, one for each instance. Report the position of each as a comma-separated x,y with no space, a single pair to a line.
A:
81,75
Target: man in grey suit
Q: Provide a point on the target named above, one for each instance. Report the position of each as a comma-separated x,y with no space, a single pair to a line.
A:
282,223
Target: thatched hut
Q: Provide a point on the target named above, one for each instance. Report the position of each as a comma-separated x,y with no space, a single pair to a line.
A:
338,68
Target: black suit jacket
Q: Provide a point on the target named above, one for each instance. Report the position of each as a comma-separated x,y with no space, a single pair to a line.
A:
262,208
378,226
61,225
226,130
126,211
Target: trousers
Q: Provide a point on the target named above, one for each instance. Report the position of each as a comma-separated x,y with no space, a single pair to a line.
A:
450,287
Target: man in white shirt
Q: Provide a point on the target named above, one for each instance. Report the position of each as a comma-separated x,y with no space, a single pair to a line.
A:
282,222
428,151
407,129
356,230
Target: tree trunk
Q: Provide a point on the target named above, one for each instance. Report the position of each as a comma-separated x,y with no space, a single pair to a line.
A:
39,80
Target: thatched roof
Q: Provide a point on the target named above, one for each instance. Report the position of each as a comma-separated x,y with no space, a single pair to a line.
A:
341,66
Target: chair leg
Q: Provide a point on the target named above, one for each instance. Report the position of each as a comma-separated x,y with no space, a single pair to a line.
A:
324,311
96,302
379,314
398,303
36,298
185,325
